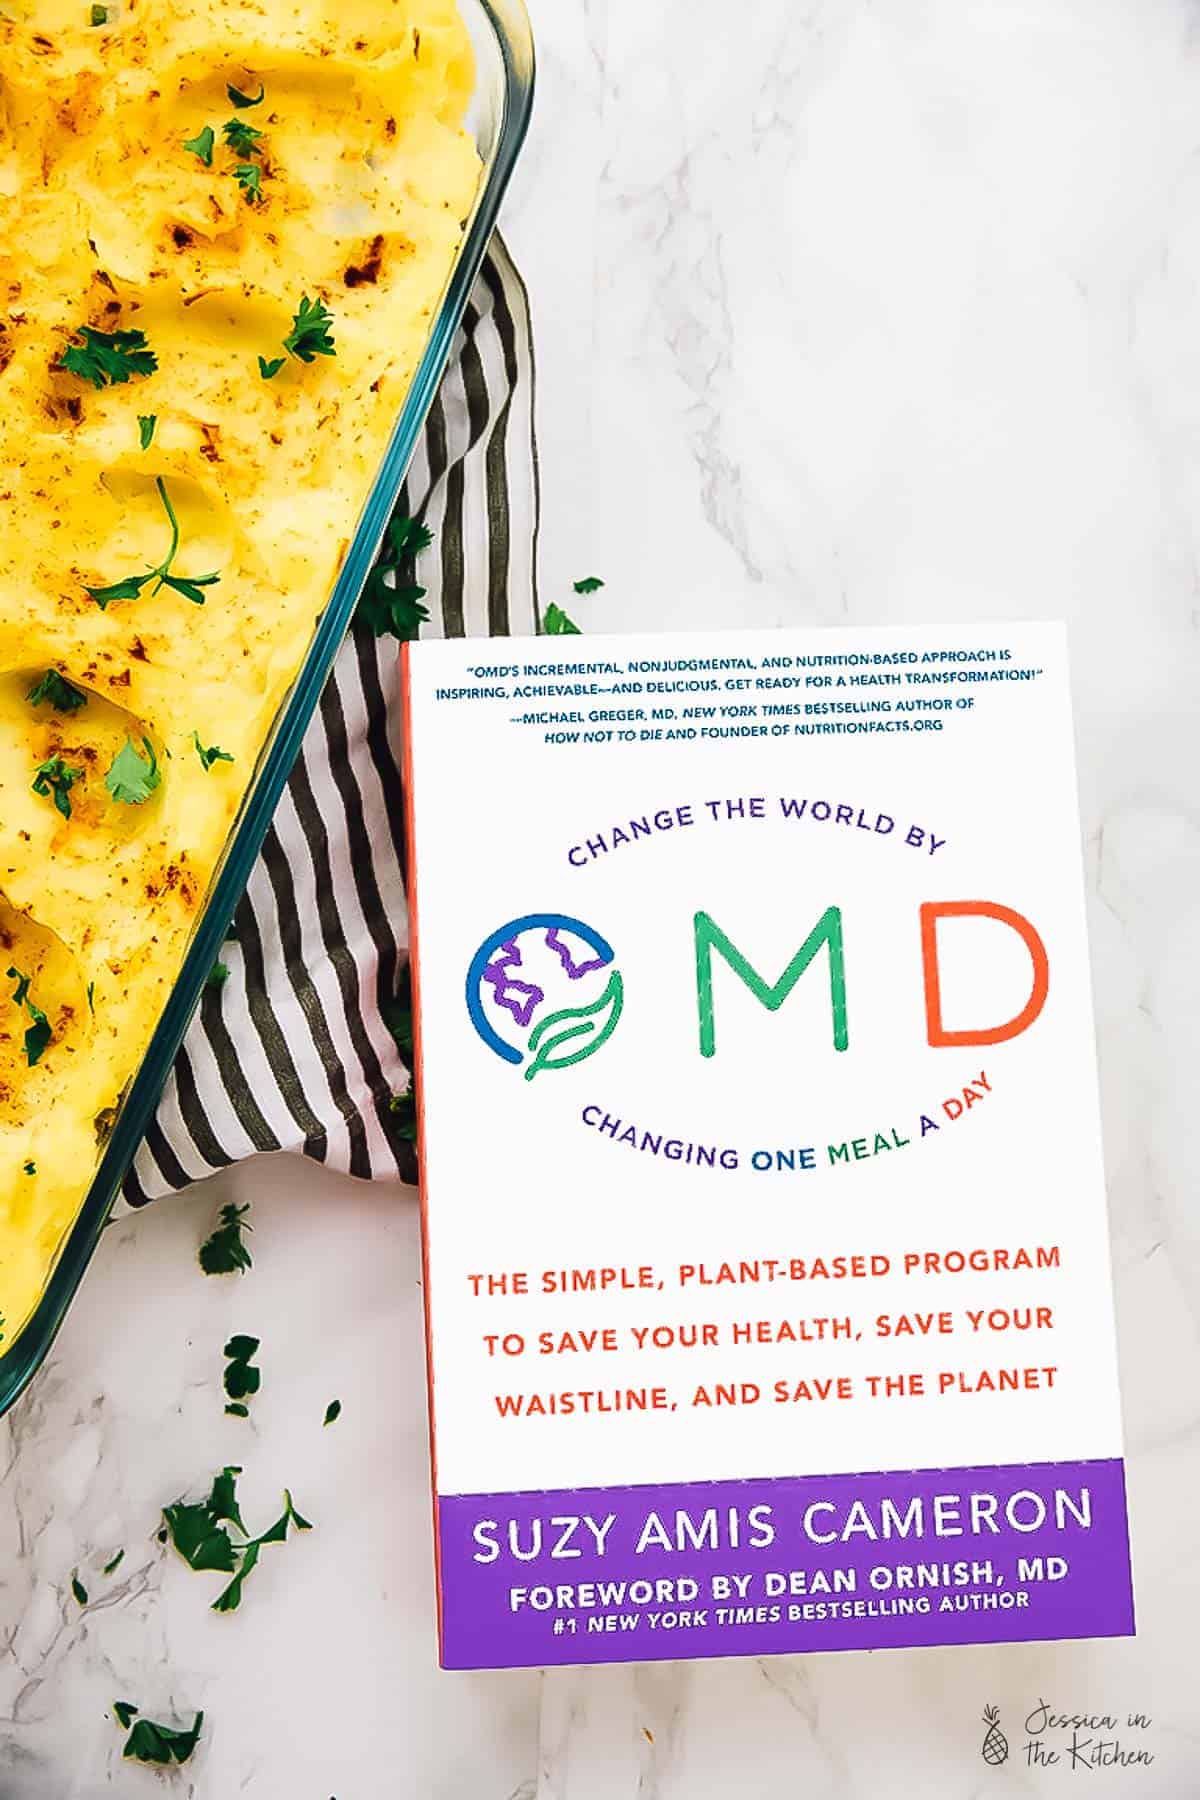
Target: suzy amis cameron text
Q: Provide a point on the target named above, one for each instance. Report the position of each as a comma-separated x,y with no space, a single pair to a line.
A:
565,1536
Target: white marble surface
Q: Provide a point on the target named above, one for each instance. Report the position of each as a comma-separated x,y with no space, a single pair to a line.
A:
846,311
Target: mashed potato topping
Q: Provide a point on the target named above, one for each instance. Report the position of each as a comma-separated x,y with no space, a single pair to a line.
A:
257,277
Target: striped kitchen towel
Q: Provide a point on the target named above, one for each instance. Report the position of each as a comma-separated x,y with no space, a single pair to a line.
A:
292,1051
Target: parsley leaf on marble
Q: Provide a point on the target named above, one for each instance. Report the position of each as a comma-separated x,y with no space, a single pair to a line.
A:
130,586
146,424
218,975
133,777
391,599
589,585
333,1412
242,1378
222,1501
113,1563
202,145
78,1589
58,691
199,1529
213,754
151,1743
310,335
557,623
54,779
224,1252
241,101
124,1712
200,1532
231,1597
109,357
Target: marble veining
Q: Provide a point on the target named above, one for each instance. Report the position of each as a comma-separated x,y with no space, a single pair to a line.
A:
846,312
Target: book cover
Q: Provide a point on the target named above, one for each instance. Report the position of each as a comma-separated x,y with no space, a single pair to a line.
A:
767,1270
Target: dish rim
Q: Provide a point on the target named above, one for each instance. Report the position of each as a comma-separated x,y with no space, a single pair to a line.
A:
507,23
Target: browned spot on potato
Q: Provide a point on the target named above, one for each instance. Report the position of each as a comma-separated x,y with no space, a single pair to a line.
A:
367,271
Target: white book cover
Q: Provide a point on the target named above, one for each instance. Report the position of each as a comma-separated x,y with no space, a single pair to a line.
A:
767,1265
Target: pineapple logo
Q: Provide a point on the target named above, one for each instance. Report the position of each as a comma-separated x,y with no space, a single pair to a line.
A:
995,1744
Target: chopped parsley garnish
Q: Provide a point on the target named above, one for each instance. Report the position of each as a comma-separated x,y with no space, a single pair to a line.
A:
397,1015
37,1036
218,975
30,1167
151,1743
268,370
133,777
99,15
109,356
249,178
240,137
202,1535
113,1563
202,145
557,623
391,600
91,994
310,335
403,1108
55,779
224,1252
213,754
131,586
333,1411
399,1021
241,100
58,691
78,1589
146,424
242,1379
589,585
39,1033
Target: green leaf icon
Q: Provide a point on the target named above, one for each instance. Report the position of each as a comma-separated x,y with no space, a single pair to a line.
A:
587,1027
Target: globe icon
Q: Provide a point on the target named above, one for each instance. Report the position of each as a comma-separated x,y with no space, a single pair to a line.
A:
543,992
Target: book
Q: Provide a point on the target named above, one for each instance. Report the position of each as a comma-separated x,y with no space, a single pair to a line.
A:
766,1259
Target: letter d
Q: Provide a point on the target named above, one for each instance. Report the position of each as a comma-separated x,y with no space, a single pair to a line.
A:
939,1038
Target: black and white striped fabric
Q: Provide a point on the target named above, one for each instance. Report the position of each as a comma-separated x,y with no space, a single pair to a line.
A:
292,1051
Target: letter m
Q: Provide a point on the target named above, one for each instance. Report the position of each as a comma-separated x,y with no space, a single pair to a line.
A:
827,931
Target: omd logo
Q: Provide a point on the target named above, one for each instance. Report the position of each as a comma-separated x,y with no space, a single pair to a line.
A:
543,991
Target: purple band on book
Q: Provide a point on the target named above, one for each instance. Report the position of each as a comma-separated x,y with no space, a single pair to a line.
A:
751,1568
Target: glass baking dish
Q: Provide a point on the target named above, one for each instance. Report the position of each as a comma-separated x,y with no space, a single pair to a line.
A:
497,119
